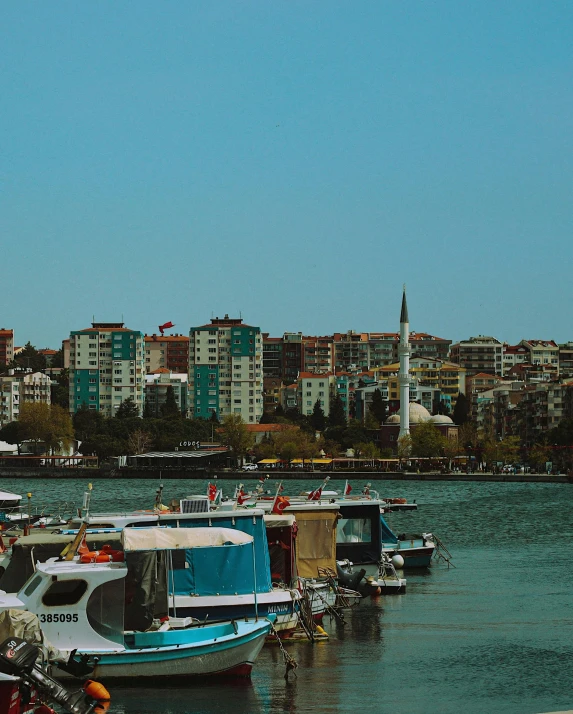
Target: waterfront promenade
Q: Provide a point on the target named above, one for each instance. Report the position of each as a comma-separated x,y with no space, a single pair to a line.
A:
277,475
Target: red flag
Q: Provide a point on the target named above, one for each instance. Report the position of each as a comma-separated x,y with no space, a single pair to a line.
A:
281,502
211,491
315,495
347,489
166,326
242,497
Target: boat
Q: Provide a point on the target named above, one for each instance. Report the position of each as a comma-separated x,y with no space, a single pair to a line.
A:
232,593
9,501
115,614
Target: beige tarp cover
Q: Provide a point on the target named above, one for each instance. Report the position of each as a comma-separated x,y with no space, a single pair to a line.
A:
24,624
279,520
174,538
315,541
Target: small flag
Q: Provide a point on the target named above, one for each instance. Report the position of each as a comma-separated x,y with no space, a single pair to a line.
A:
315,495
242,497
347,489
211,491
281,502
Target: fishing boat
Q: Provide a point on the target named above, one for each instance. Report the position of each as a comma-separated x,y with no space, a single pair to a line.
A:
116,614
233,588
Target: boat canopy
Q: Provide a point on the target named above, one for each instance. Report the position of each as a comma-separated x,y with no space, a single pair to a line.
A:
249,522
178,538
316,539
279,520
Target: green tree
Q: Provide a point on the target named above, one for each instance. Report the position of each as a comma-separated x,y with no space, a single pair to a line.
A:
317,418
427,440
88,422
104,446
50,425
29,358
539,454
13,433
60,389
378,407
236,436
127,409
337,415
461,413
366,450
170,408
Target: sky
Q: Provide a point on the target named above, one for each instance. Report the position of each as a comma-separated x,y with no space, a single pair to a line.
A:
294,163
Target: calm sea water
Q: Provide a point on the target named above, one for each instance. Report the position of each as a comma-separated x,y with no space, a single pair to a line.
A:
495,633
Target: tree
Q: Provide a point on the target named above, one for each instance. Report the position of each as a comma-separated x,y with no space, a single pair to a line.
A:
279,411
404,447
236,436
139,442
103,446
29,358
170,408
461,410
378,407
60,389
317,418
539,454
13,433
427,440
50,425
337,416
127,409
371,422
367,450
87,423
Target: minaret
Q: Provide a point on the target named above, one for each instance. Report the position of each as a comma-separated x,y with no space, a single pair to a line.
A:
404,375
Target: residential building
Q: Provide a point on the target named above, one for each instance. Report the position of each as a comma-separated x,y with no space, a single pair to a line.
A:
566,360
170,352
479,354
6,346
225,370
443,376
542,352
20,386
271,394
512,355
475,385
157,384
107,366
315,387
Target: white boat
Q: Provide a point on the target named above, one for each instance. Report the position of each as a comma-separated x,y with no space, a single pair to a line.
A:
82,606
9,501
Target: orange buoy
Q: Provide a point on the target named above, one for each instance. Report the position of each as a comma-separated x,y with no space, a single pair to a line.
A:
96,690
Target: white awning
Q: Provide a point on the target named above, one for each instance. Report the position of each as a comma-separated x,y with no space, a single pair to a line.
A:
175,538
279,520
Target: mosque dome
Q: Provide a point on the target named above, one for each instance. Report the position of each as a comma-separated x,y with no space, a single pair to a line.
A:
441,419
417,414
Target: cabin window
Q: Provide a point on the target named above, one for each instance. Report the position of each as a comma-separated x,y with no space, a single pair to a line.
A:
33,585
354,530
64,592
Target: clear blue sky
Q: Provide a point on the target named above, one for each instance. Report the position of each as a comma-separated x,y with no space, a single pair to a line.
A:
293,161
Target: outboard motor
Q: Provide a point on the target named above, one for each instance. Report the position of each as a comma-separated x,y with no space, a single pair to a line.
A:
18,658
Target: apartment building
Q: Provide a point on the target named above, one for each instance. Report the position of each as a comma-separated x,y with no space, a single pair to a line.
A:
226,370
107,366
20,386
6,346
479,354
312,387
157,384
542,352
170,352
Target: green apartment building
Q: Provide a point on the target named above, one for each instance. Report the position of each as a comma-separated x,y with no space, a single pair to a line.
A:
225,370
107,366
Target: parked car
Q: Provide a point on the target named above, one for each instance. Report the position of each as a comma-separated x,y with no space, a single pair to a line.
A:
250,467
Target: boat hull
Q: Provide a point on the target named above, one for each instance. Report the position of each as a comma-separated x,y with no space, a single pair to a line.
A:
229,656
414,557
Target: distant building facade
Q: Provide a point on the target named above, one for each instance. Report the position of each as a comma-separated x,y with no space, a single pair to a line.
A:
107,366
226,370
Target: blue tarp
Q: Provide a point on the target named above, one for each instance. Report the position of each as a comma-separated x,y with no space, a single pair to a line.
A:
215,570
388,536
253,525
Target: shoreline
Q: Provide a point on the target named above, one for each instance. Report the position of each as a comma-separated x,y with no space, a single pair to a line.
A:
298,475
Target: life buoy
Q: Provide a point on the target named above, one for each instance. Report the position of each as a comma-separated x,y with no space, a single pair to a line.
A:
105,555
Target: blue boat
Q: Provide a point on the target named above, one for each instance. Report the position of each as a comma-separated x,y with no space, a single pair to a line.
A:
115,613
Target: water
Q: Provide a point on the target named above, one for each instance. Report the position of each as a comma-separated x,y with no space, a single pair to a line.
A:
495,633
